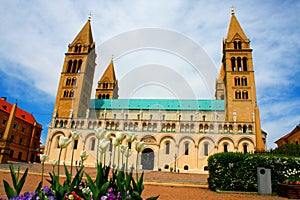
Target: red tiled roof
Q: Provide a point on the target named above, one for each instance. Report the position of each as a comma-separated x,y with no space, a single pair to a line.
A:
295,130
20,114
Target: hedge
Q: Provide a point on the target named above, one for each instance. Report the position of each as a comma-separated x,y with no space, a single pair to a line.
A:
238,172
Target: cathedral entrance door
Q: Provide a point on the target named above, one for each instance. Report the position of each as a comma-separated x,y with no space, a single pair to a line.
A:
147,161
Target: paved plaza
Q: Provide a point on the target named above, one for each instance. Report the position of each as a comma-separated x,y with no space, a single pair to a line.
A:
166,184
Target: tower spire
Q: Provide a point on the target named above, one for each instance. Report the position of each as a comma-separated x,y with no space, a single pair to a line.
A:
235,28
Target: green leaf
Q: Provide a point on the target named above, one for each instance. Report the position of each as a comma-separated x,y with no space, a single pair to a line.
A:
68,175
77,179
99,178
39,187
92,186
10,193
14,177
104,188
152,198
21,182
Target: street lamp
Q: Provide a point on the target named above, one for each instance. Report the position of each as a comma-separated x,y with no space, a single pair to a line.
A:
175,157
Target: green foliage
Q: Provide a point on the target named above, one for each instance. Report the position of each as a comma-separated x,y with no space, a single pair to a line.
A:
238,172
288,149
17,184
101,184
68,185
121,181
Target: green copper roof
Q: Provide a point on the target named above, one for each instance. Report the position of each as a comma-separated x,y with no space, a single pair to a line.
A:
156,104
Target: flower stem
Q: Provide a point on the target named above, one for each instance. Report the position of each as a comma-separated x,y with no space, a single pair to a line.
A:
72,158
118,157
113,165
98,151
126,166
136,166
42,172
58,162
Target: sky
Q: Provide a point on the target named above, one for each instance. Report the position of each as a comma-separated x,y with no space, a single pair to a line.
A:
35,36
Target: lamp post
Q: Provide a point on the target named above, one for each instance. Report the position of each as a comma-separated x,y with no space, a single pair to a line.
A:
175,157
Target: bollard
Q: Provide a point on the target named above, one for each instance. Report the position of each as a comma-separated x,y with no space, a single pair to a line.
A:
264,181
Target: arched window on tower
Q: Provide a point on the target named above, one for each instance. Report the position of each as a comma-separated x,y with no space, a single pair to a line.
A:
66,93
237,95
76,48
71,94
69,66
245,95
244,129
237,81
79,48
107,96
245,64
79,66
233,64
244,81
74,80
68,81
74,66
235,44
239,64
239,44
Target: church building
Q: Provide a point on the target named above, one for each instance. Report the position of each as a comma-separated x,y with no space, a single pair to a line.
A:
179,133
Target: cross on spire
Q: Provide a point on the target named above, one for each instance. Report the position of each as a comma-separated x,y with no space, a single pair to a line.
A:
90,16
232,9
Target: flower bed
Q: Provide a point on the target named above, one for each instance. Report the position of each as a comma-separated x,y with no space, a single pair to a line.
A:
112,182
289,191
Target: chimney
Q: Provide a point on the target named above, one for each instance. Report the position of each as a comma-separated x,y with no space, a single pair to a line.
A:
3,98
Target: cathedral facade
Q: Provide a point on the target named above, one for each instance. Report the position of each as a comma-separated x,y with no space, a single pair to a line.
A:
179,134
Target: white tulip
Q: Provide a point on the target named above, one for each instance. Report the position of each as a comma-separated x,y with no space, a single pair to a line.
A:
140,146
54,162
75,135
115,142
107,135
64,142
103,144
43,157
131,137
100,133
83,155
120,136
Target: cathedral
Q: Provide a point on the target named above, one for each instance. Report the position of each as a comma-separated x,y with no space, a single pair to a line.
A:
179,133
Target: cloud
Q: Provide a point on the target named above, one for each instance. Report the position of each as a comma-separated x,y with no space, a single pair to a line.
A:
35,36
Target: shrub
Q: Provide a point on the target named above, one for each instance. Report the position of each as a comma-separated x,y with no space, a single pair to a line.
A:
238,172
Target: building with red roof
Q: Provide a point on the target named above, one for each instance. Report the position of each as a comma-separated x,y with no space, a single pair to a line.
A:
292,137
19,134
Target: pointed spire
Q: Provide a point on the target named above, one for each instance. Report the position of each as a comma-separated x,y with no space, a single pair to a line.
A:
235,28
85,36
109,73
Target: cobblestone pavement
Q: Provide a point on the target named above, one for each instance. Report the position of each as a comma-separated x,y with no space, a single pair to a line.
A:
167,185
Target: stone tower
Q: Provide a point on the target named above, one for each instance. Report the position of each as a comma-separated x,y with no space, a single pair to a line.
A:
236,82
108,84
76,80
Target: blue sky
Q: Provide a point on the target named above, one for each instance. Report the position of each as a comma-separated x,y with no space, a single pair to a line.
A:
35,36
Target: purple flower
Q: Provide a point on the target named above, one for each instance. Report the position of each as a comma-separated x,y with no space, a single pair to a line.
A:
46,189
111,196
